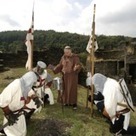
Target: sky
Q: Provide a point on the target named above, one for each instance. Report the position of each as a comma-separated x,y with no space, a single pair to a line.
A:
113,17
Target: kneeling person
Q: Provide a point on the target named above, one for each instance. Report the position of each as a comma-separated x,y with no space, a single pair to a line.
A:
12,101
113,108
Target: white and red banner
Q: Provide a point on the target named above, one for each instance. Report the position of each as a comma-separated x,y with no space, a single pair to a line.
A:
89,45
29,44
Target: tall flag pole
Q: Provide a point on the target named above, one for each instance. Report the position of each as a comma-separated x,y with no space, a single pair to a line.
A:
30,43
92,46
92,39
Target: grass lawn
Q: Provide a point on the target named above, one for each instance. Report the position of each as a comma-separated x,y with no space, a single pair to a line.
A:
53,121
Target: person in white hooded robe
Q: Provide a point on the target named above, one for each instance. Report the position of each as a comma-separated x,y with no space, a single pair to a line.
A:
12,101
107,97
42,87
41,90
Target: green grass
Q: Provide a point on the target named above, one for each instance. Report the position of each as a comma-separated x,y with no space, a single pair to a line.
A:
80,121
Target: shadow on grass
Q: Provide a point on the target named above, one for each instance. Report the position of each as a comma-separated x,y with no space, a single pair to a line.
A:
52,121
49,127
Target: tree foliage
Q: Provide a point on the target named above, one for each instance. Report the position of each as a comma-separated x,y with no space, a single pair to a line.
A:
12,41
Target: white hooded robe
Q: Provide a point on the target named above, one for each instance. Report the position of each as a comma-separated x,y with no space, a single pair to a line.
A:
14,96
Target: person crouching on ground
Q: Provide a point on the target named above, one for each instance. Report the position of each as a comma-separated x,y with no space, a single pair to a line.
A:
12,101
112,104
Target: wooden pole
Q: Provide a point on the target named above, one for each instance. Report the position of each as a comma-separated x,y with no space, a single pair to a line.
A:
92,59
32,40
32,46
30,43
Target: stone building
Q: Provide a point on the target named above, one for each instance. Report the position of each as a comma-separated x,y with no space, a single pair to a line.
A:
118,62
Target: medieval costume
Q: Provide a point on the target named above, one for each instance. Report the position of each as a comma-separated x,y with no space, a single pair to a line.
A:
40,92
110,101
42,87
48,97
12,101
69,66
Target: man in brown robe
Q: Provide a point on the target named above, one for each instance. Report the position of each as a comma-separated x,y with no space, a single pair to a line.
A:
69,66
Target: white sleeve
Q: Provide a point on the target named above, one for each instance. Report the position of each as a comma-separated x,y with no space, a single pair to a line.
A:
31,92
126,121
110,98
8,93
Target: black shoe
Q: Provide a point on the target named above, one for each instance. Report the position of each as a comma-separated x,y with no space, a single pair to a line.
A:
66,105
28,115
130,132
74,106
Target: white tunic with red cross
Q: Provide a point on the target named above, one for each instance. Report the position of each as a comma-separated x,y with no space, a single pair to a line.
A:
13,98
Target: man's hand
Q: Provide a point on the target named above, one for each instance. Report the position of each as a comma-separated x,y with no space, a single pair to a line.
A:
37,101
77,68
106,114
12,118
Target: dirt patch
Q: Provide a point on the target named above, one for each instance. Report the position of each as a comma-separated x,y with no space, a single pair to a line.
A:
52,127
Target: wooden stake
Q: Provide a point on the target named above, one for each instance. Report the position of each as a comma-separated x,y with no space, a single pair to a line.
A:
31,65
32,41
92,59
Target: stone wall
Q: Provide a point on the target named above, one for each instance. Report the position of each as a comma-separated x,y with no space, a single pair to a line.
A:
107,68
19,59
